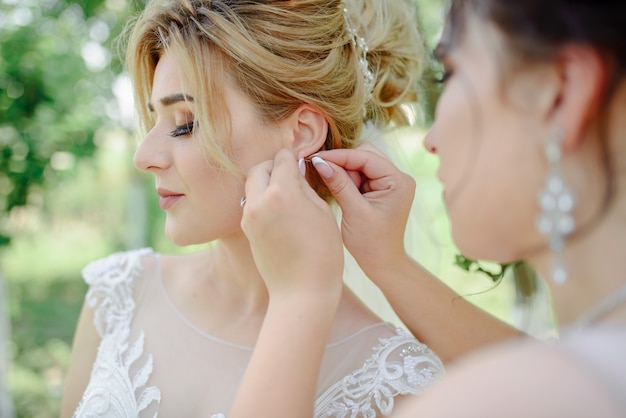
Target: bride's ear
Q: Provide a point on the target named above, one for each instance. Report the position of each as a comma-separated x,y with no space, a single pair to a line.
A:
307,130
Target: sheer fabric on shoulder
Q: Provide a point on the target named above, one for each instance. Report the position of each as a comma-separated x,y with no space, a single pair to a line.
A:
601,351
153,362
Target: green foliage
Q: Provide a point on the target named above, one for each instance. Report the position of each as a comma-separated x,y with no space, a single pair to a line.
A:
430,16
56,74
43,325
523,275
475,266
55,92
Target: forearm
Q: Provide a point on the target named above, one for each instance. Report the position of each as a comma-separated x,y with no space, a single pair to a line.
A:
84,352
435,314
281,378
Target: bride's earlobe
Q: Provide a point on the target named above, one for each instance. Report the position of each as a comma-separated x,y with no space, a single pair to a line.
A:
309,129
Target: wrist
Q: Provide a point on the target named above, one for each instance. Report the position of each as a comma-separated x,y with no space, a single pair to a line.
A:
303,316
304,300
301,285
384,271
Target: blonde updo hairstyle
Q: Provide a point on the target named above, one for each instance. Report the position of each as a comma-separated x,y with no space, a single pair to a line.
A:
281,54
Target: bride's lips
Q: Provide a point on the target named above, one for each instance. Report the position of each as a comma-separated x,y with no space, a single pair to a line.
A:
168,198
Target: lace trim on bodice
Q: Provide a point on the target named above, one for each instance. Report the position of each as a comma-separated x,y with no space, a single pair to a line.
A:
370,390
112,392
399,365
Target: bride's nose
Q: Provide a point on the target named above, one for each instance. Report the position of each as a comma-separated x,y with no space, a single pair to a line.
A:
152,153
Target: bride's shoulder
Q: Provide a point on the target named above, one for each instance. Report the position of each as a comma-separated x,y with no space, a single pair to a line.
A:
117,267
111,283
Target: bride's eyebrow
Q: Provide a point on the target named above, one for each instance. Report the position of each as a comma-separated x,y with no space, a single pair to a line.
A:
171,99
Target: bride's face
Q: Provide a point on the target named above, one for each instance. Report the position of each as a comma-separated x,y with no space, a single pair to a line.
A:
201,200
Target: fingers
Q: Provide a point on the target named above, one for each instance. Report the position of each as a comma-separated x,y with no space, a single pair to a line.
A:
289,176
280,170
343,185
366,166
258,179
366,159
285,167
278,181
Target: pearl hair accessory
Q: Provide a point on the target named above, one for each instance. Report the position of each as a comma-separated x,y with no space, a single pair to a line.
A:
359,44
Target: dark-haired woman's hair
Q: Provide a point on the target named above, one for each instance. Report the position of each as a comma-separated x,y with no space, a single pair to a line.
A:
535,29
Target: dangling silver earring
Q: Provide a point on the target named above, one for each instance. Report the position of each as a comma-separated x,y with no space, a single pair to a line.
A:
557,202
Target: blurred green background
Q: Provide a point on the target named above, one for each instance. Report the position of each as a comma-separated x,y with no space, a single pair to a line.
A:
69,193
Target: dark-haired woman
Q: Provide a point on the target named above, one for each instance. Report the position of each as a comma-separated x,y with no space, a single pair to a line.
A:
531,136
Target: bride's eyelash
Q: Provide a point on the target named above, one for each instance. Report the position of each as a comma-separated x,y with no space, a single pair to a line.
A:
183,130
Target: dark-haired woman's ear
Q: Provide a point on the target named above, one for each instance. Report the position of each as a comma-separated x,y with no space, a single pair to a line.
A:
308,129
583,77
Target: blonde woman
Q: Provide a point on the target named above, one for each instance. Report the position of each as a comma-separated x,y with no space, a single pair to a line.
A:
221,86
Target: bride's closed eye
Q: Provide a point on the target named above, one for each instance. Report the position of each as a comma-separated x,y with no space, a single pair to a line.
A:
183,130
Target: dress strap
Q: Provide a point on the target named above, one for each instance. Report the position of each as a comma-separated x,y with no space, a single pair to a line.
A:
607,305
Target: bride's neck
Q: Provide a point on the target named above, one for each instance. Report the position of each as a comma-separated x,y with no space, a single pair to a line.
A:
235,271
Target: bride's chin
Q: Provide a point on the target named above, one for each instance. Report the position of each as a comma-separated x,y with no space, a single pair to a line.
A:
181,238
184,238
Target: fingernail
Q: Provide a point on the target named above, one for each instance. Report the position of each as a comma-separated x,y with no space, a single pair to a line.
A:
302,166
322,167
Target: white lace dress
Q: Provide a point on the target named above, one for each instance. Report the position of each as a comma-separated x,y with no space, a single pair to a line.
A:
153,361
